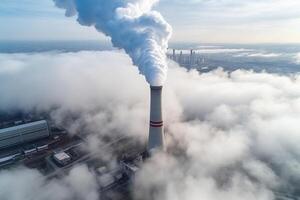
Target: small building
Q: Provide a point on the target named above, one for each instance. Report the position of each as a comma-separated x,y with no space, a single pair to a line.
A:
118,175
9,158
102,170
43,147
62,158
129,168
30,150
106,180
18,122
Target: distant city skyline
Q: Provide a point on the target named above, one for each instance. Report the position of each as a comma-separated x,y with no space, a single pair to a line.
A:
207,21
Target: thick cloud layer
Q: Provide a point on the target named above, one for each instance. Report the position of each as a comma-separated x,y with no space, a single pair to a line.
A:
100,86
237,138
132,26
28,184
230,135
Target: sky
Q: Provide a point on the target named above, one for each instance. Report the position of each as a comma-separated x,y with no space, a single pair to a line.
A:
206,21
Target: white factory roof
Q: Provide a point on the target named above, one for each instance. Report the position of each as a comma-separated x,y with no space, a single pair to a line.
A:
102,170
22,126
30,150
62,156
7,158
132,167
45,146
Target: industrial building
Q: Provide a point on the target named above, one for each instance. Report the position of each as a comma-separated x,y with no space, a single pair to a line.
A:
190,59
8,159
106,180
23,133
62,158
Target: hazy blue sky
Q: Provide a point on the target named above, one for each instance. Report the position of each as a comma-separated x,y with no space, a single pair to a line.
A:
240,21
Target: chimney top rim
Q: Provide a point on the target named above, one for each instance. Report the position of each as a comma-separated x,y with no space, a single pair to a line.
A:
156,87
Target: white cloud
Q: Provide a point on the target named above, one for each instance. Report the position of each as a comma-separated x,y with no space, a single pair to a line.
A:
259,55
26,184
230,136
297,58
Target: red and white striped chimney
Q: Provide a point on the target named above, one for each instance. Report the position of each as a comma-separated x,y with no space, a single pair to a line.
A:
156,129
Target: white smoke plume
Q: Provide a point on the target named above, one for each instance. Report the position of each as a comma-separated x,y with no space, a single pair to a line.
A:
133,26
230,135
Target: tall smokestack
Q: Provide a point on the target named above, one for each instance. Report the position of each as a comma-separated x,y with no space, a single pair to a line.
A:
156,134
191,58
174,54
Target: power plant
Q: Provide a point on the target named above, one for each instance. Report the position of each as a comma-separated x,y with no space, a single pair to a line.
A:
49,148
156,128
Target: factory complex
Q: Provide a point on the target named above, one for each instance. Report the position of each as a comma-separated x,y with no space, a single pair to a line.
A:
40,144
54,152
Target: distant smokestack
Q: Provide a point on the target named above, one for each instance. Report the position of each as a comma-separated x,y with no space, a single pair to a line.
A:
180,58
191,58
156,134
174,54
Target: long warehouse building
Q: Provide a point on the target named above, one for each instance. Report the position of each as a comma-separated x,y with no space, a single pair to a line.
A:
23,133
